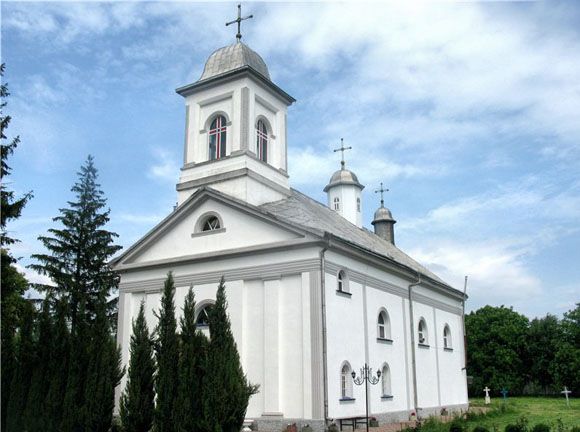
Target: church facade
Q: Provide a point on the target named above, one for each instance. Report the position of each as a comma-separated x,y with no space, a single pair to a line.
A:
313,295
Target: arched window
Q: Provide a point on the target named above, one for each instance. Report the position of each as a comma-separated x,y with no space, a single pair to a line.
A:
210,224
217,138
423,336
341,281
358,205
262,141
386,381
202,318
383,325
345,381
337,203
447,337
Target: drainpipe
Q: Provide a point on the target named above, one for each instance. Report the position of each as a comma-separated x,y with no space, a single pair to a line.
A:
413,360
464,337
323,307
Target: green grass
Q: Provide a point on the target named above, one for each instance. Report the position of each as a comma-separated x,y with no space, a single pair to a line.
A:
534,409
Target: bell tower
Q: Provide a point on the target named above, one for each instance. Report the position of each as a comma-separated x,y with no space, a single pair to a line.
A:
235,128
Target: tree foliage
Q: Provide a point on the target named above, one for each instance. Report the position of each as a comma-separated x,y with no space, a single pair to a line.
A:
137,402
226,388
167,356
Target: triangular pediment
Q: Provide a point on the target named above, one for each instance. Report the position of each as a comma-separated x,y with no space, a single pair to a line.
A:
181,235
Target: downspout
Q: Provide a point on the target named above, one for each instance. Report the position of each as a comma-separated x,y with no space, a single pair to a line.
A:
323,307
413,360
464,338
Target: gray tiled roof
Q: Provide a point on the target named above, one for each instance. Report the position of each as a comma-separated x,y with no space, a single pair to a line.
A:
302,210
233,57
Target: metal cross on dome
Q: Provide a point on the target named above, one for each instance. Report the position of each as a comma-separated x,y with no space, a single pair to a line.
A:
342,149
239,21
381,191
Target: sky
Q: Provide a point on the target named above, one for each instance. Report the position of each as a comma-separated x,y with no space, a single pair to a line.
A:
468,112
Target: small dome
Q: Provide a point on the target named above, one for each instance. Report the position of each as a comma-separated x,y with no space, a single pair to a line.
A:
343,177
383,215
232,57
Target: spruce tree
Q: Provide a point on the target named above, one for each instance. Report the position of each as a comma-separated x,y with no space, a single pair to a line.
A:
12,283
20,385
226,389
167,356
188,410
79,251
103,374
138,400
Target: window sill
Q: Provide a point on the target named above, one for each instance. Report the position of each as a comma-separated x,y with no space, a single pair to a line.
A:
203,233
343,293
347,399
448,349
385,341
422,345
387,397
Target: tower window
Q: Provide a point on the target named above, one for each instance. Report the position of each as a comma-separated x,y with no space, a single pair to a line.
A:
337,203
217,138
358,205
262,140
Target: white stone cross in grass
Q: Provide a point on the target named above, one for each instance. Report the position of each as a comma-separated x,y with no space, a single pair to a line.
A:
566,392
487,398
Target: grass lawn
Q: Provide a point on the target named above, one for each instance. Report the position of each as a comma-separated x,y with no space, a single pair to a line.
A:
534,409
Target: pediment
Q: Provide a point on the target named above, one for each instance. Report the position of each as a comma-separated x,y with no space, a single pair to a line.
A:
180,235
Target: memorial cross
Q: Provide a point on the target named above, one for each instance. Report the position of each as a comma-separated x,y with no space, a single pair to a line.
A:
239,20
566,392
487,398
504,392
342,149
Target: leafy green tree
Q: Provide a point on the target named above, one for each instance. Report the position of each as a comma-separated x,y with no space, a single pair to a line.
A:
167,356
79,252
12,284
104,373
542,343
188,410
566,362
138,400
496,347
25,361
226,390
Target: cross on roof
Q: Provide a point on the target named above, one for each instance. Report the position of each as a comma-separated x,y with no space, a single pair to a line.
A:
381,190
239,21
342,149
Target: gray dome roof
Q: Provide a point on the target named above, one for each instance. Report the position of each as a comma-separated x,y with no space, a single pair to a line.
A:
383,215
233,57
343,177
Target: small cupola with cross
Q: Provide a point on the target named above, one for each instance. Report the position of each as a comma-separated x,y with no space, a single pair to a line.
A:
383,220
235,127
344,191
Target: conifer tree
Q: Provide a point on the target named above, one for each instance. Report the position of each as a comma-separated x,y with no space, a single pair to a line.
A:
12,283
79,252
24,366
226,389
138,400
103,374
35,414
188,410
57,369
167,356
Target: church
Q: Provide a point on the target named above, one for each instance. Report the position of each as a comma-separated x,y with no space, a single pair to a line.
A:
313,295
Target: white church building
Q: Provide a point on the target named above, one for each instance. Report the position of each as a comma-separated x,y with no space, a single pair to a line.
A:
313,295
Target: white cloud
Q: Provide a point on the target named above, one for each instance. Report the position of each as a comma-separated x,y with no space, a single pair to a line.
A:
165,167
34,277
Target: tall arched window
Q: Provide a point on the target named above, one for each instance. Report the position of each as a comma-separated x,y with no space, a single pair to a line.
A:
202,319
341,281
337,203
358,205
386,381
383,325
447,337
423,336
345,382
262,140
217,138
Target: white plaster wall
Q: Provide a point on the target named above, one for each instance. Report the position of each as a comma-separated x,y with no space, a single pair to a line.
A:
427,386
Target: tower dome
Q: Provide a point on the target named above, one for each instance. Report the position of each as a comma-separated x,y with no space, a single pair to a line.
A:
231,58
383,220
343,177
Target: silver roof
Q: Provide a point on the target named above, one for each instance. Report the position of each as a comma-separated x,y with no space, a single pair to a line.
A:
233,57
298,209
383,214
343,176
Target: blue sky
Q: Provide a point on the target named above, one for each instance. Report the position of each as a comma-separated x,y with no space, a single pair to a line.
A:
469,112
